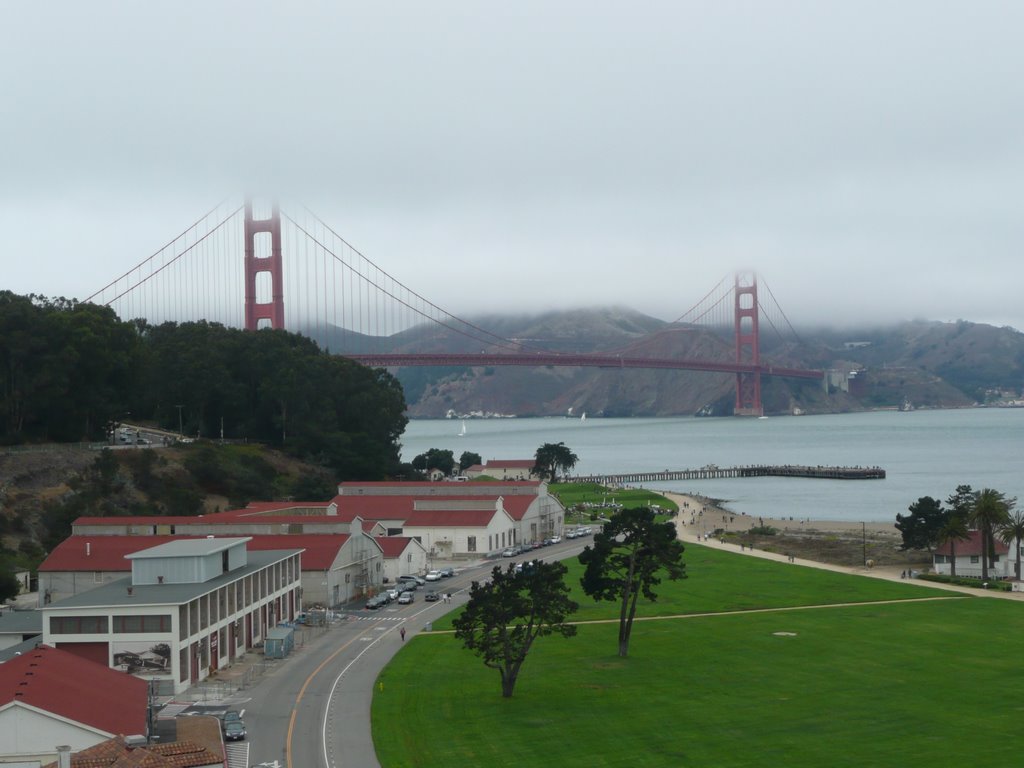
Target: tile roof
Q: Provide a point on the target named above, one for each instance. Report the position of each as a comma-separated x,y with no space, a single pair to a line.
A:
115,753
69,686
510,463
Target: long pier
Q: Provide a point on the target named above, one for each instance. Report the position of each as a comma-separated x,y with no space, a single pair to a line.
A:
712,472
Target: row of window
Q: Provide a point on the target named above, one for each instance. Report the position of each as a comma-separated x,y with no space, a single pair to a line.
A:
98,625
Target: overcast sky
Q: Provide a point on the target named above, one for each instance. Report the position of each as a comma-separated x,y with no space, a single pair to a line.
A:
866,158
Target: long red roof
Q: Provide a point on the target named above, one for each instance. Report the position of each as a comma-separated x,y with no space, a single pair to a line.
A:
107,553
970,546
75,688
456,518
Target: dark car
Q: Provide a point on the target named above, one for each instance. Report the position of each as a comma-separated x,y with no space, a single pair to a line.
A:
231,716
234,731
447,572
377,601
431,597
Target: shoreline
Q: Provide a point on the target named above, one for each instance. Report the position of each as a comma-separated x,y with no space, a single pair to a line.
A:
702,515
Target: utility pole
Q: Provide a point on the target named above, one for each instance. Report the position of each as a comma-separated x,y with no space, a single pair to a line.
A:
180,432
864,542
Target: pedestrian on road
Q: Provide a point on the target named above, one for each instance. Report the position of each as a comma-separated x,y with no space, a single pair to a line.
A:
402,633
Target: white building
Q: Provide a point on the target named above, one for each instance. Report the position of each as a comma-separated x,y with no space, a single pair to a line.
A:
189,608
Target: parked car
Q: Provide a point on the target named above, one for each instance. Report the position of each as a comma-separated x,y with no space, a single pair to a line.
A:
407,586
234,731
393,592
447,572
407,597
433,576
420,581
377,601
510,552
431,596
556,539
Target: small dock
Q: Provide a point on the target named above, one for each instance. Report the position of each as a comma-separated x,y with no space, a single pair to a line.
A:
712,472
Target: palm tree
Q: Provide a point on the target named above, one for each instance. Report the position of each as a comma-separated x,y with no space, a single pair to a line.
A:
990,511
1012,532
954,529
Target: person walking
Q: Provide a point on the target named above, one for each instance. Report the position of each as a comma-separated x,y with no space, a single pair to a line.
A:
402,633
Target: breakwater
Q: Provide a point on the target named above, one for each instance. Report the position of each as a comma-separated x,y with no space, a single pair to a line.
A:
759,470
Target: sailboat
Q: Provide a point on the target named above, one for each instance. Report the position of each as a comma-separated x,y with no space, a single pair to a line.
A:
462,431
583,417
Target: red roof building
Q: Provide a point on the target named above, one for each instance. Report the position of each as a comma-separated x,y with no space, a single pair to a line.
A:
50,697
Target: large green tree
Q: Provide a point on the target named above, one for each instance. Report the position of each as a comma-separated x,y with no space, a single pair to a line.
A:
628,558
920,529
552,458
990,511
468,459
435,458
505,615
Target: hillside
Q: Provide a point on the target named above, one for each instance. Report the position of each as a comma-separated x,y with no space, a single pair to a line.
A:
918,364
45,489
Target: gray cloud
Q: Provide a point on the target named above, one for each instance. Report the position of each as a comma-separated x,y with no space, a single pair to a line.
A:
866,158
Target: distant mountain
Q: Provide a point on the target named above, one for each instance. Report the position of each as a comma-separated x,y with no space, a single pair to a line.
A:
913,364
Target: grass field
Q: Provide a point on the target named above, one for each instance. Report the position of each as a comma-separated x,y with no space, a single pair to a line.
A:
571,494
903,684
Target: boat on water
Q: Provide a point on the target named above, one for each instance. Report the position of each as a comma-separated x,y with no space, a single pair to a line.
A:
462,430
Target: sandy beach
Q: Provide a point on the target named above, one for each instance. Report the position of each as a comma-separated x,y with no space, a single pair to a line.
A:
699,515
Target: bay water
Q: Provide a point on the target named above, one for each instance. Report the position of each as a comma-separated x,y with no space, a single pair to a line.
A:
924,453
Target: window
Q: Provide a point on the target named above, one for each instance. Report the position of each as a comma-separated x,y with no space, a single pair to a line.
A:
124,624
974,559
940,559
97,576
408,558
78,625
471,543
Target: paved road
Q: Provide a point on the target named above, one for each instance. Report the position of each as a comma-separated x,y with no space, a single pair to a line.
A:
314,709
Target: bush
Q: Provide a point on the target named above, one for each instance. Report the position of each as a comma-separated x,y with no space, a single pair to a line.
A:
763,530
963,581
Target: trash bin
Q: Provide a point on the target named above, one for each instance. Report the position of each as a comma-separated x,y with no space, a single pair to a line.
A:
429,626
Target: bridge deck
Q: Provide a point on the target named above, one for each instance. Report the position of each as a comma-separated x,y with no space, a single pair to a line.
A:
763,470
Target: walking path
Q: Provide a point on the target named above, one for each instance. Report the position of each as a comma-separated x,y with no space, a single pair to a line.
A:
891,573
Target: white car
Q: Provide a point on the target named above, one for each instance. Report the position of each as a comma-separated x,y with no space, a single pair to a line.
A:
406,597
433,576
555,539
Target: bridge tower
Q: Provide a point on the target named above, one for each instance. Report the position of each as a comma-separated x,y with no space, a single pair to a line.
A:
272,311
748,385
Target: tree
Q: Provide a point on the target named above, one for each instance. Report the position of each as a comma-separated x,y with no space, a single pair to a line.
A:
435,458
468,459
627,559
552,458
1011,532
990,511
505,615
920,529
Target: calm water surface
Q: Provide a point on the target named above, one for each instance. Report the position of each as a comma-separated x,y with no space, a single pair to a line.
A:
925,453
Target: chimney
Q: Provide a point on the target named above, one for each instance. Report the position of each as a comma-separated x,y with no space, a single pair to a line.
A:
64,756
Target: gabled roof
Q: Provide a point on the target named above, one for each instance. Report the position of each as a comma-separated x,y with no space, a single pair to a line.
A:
374,507
110,553
393,546
416,486
77,689
971,546
452,518
526,464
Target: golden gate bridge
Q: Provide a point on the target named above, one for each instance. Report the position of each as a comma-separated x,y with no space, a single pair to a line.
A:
243,265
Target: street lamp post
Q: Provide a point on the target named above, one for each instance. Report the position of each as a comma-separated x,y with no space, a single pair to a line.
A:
864,542
180,432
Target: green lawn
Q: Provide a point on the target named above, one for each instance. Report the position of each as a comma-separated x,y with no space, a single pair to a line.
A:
902,684
571,494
